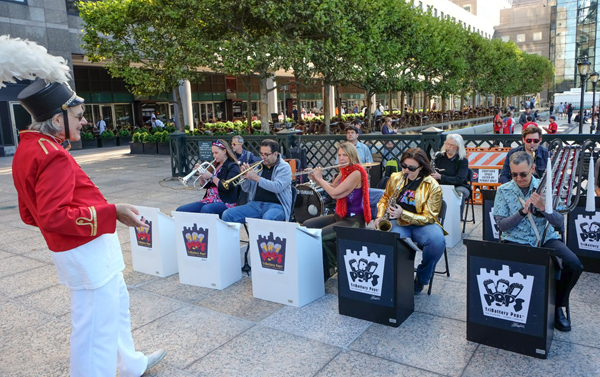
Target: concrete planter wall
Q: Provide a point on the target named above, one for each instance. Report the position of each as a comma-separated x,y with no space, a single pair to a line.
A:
106,142
123,140
163,149
150,148
89,143
136,148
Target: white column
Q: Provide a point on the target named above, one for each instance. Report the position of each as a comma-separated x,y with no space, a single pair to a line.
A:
271,97
185,91
331,101
373,103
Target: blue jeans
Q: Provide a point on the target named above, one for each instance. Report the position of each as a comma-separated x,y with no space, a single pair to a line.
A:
254,210
430,239
199,207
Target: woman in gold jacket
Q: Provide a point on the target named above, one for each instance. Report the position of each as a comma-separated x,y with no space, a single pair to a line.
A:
412,201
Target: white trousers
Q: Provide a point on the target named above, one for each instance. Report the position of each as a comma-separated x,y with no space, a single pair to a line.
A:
101,339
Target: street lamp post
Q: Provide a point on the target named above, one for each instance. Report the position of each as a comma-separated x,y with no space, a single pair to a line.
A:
583,67
594,79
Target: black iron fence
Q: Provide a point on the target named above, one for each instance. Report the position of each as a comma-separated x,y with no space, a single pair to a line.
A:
321,150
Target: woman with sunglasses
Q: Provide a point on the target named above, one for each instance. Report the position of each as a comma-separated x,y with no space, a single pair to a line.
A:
414,213
351,189
217,198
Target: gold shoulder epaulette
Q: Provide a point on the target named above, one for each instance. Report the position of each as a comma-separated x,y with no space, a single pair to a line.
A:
41,142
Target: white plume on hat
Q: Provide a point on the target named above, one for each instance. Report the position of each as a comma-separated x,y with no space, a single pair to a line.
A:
25,60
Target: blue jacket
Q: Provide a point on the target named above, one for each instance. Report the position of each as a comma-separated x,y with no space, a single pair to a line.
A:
280,184
541,160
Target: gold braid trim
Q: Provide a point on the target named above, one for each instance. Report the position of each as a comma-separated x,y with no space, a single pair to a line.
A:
92,221
41,142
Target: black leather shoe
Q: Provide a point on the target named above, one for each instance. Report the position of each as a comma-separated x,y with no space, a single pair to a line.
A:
418,287
561,322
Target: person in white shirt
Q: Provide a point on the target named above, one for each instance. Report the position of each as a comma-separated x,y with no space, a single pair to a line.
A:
157,122
101,125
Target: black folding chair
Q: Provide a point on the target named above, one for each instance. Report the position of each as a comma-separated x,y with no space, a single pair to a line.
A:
469,202
441,219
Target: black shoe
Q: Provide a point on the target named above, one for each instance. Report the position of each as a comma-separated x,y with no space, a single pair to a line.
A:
561,322
418,287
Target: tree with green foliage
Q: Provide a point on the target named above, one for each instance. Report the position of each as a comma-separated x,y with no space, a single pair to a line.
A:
152,45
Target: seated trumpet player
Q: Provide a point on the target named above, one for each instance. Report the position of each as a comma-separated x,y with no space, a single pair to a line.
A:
515,207
410,206
351,189
218,198
269,190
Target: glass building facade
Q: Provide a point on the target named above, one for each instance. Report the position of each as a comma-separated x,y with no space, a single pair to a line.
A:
574,35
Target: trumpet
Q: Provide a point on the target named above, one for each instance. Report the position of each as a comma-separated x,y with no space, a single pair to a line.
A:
201,169
306,171
239,179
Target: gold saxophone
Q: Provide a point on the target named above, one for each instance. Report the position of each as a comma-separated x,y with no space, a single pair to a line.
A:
385,225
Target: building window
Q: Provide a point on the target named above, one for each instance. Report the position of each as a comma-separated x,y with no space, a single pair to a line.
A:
520,37
467,7
420,5
537,36
17,1
434,12
442,13
505,38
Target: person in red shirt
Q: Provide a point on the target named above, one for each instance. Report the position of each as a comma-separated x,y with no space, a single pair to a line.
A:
79,226
509,125
498,122
552,127
530,122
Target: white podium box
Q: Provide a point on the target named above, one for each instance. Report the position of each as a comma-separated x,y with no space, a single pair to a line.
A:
452,222
287,262
208,250
153,249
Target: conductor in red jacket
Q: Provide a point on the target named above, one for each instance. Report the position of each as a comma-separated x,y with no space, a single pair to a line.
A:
79,226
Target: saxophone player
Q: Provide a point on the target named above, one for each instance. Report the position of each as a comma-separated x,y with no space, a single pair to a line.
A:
415,201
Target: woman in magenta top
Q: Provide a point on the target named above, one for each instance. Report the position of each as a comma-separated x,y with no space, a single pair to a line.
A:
351,190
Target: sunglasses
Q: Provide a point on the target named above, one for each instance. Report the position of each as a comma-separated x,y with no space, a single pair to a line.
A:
522,174
534,141
410,168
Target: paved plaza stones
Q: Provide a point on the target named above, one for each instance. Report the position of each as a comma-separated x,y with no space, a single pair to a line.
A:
229,333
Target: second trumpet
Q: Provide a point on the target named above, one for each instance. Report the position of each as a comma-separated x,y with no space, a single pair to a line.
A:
239,179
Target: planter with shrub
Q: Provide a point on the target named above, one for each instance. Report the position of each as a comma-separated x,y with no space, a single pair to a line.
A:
163,143
150,146
88,141
136,146
123,137
107,139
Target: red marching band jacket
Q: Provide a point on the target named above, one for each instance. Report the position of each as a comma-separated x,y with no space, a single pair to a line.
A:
57,196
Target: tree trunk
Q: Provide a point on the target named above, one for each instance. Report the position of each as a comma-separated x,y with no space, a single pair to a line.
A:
401,105
368,114
264,105
327,107
390,103
462,101
249,108
425,102
180,121
298,107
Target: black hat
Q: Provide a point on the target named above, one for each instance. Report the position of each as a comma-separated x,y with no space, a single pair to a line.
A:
352,128
43,101
357,121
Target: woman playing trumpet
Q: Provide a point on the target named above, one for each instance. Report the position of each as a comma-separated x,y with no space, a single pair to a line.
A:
418,201
217,198
351,189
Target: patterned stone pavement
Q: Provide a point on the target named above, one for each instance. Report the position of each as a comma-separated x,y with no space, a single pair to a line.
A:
229,333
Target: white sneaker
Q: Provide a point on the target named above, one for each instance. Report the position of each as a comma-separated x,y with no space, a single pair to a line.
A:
155,358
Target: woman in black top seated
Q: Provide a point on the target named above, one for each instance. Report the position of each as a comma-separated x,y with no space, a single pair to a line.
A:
217,198
452,167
